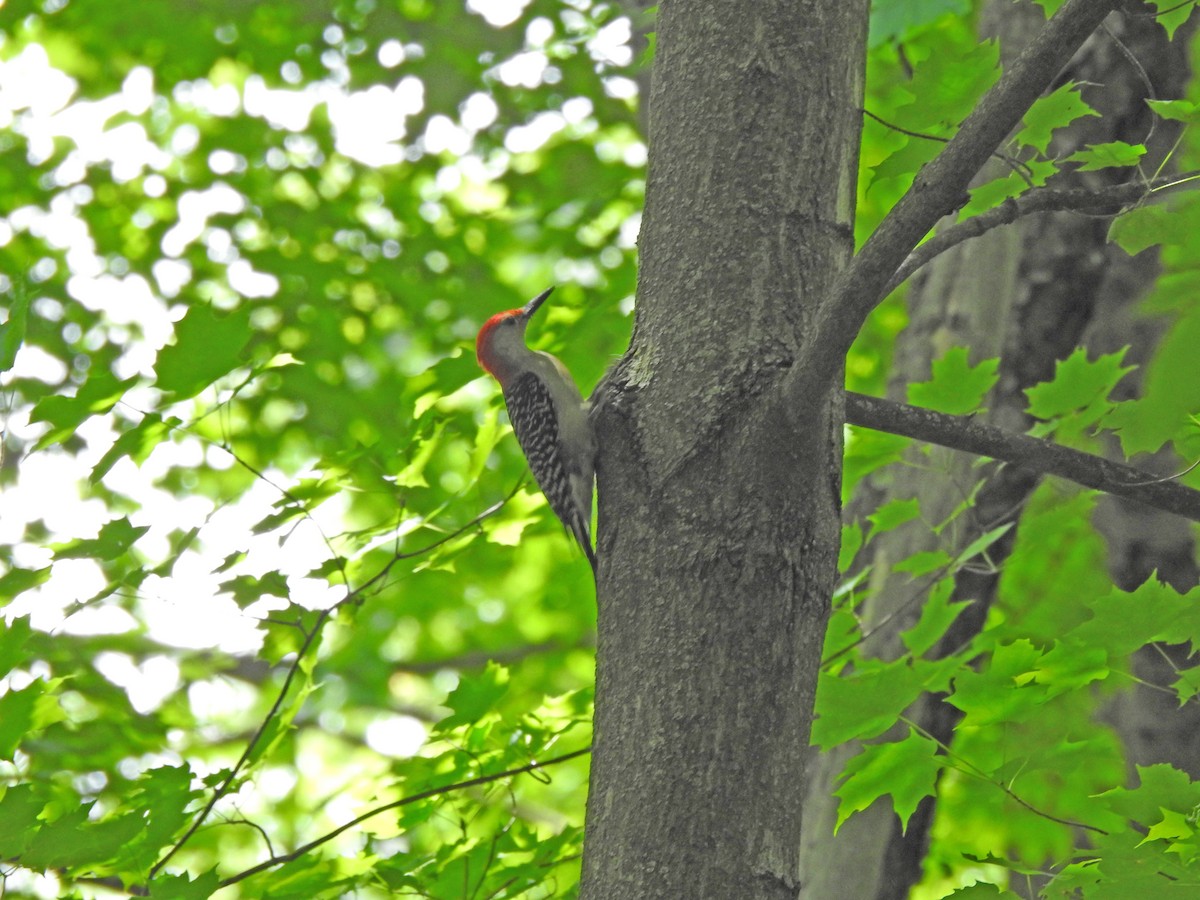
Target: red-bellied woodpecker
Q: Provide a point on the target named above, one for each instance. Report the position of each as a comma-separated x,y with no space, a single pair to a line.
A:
548,414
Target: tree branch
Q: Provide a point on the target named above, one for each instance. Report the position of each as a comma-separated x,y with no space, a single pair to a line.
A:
962,433
352,595
404,801
1107,201
938,189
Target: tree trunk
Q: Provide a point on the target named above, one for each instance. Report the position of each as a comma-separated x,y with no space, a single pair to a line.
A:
719,520
1051,280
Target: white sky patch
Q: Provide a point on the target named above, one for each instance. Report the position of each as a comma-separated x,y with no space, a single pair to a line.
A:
28,81
195,207
60,227
620,88
498,13
290,110
523,70
214,99
369,125
127,301
577,109
539,32
611,43
396,736
171,275
442,135
125,147
249,282
530,137
479,111
390,53
33,362
147,685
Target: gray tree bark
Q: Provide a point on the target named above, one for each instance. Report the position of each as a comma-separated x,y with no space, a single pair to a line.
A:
719,520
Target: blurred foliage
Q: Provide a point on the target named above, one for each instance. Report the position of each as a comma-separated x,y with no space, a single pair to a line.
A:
281,617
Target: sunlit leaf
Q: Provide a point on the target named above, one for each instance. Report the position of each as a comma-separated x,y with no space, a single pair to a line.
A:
98,394
956,387
208,344
1114,154
906,770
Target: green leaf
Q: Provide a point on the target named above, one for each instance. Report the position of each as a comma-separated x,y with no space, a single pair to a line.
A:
475,697
982,891
1115,154
163,793
20,810
422,451
923,563
1051,112
14,635
247,589
136,443
12,332
1144,227
996,693
1187,685
1171,827
1033,172
73,841
180,887
907,770
523,510
869,701
286,631
1158,787
937,615
1170,391
1078,382
956,388
894,19
1179,110
1068,666
98,394
851,543
15,582
867,451
17,716
116,537
1171,14
893,514
1123,622
208,344
980,544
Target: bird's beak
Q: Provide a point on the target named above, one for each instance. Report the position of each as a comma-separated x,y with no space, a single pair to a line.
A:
532,306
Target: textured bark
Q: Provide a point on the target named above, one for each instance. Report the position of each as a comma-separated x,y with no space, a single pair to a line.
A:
1051,282
718,523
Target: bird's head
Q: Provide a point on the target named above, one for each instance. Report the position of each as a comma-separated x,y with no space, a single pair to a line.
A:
501,340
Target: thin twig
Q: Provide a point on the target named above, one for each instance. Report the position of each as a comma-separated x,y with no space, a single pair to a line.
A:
405,801
972,769
223,789
1111,200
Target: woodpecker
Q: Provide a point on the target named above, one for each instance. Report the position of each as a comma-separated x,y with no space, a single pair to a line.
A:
549,417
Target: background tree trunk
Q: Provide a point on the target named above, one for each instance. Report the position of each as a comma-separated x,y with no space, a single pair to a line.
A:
719,523
1052,283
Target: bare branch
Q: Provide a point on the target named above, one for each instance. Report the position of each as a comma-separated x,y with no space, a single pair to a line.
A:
938,189
351,595
1107,201
405,801
962,433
